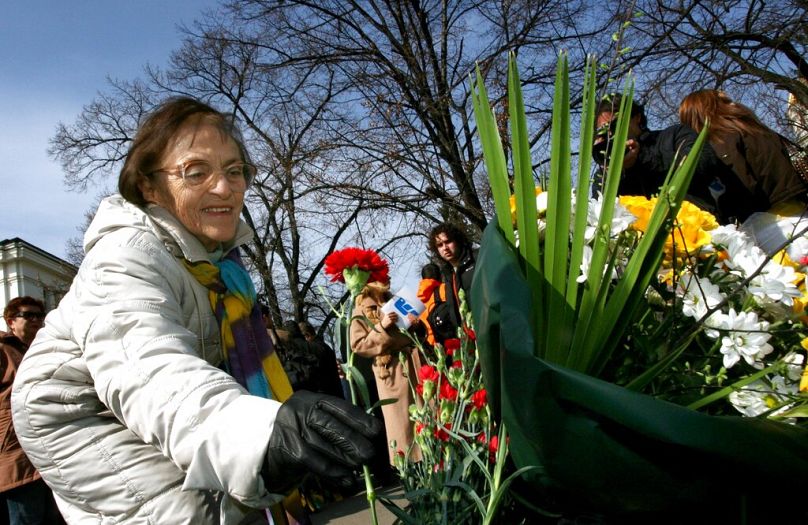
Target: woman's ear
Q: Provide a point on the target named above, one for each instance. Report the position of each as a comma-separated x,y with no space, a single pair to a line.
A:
148,189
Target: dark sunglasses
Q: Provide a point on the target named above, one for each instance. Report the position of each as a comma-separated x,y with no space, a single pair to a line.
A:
30,316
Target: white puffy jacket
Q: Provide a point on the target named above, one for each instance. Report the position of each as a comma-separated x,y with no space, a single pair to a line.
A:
119,402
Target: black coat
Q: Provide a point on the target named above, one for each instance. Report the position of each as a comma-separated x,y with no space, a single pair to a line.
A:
714,188
459,278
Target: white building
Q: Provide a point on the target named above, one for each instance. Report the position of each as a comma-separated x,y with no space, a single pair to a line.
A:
28,270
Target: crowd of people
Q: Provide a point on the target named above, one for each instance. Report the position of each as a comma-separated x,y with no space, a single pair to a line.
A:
159,389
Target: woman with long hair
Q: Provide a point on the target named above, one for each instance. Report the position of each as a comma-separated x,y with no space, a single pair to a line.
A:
754,152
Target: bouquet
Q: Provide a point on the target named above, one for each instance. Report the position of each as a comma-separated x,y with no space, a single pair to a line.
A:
603,323
460,478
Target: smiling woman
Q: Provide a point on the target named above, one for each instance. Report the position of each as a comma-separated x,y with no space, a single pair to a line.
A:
156,372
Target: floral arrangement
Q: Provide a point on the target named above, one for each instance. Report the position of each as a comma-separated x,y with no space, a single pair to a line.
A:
729,318
460,478
615,305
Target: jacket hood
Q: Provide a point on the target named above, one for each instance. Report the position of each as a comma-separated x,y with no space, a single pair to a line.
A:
115,213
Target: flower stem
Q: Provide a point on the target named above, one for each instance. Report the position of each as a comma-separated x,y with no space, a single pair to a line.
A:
369,489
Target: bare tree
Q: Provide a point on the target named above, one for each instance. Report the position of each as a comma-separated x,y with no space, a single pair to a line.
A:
358,112
754,49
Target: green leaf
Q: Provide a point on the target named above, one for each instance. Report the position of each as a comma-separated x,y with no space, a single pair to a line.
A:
356,376
597,281
493,154
556,241
797,411
582,189
525,193
381,403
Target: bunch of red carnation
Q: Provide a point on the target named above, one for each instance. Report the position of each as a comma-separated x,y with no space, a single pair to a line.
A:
357,258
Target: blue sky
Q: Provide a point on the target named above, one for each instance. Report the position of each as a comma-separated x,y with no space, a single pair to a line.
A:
55,56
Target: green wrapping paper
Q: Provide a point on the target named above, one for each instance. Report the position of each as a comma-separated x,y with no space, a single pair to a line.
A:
605,449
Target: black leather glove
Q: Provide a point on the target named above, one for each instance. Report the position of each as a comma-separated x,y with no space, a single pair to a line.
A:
319,434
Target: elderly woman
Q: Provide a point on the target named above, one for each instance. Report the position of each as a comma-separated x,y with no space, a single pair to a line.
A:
152,394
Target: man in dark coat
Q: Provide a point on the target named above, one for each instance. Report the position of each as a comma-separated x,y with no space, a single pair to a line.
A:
650,154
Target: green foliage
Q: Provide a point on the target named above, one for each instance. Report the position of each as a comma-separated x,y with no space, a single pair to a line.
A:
578,325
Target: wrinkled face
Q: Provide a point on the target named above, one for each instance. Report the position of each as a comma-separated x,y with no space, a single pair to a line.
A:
26,323
210,211
447,249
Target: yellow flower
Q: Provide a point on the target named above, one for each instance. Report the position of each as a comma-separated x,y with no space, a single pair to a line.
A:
804,378
690,229
799,308
512,201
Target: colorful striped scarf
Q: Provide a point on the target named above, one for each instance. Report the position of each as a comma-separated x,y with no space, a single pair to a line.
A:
248,352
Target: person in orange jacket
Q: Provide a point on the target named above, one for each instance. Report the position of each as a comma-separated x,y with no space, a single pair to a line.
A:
432,292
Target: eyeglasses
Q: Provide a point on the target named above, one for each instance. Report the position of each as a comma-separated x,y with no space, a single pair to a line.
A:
199,172
30,316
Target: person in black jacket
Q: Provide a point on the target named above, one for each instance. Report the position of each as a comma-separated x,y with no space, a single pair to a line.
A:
650,154
453,250
327,375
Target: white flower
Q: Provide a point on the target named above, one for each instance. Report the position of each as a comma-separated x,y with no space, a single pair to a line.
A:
760,397
698,295
798,249
745,337
773,283
794,366
731,238
751,399
586,261
621,218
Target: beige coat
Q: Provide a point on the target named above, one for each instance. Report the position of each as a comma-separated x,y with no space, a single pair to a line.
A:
384,347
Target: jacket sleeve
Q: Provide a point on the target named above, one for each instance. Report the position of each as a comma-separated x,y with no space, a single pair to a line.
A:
146,370
365,340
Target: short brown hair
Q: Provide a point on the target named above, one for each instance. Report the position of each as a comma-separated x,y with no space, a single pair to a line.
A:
14,305
155,134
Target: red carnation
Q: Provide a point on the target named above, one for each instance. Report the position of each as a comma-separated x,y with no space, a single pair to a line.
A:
447,391
470,333
441,434
479,399
493,445
451,345
366,260
428,373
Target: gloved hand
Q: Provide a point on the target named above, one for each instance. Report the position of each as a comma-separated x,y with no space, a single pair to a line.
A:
320,434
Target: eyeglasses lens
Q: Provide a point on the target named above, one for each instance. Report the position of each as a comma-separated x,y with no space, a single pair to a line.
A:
30,316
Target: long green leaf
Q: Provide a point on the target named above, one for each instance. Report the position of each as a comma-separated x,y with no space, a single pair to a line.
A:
582,189
597,282
525,195
493,155
556,241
